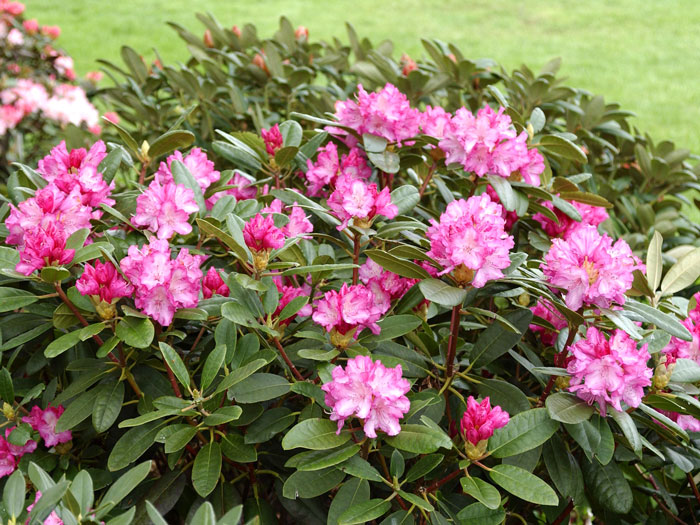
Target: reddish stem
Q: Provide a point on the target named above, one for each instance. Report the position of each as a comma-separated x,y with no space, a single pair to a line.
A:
173,381
287,360
356,259
564,513
442,481
426,181
694,486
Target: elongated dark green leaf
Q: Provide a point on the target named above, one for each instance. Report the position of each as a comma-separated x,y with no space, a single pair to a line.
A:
175,363
169,141
662,320
13,494
182,175
481,491
595,438
563,148
568,408
314,434
442,293
239,374
523,484
479,514
127,482
135,332
523,432
424,466
260,387
206,469
608,486
496,340
396,265
364,512
419,439
320,459
12,299
132,445
353,492
212,365
311,484
79,410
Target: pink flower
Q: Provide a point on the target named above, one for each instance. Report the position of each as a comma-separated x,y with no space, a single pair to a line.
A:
44,422
201,168
112,116
165,210
15,37
679,349
590,268
273,139
52,32
12,8
43,246
94,76
471,238
354,199
214,284
261,234
8,461
52,519
19,450
348,309
298,224
162,285
64,65
370,391
407,64
387,114
434,121
385,285
26,95
480,420
510,217
593,215
10,116
69,105
301,33
242,189
49,206
609,372
549,313
324,173
684,421
103,281
287,293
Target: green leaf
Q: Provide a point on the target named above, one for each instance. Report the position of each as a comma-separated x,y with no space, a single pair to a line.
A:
205,515
496,340
424,466
393,327
479,514
504,191
272,422
524,485
51,274
132,445
364,512
175,363
523,432
441,293
568,408
685,371
317,268
595,438
223,415
664,321
12,299
79,410
320,459
481,491
169,141
314,434
608,486
682,274
127,482
654,263
7,390
293,307
353,492
387,161
291,132
405,198
206,469
419,439
562,147
110,164
396,265
182,175
47,503
178,439
63,343
233,448
397,465
13,494
239,374
260,387
504,394
135,331
125,136
212,365
285,155
537,119
311,484
360,468
629,429
209,229
563,469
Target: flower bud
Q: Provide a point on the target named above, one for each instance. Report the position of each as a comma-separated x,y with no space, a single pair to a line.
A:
208,40
8,412
301,34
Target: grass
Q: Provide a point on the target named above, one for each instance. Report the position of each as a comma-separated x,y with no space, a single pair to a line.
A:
641,54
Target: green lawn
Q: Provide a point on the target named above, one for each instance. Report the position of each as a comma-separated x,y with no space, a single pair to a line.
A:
643,54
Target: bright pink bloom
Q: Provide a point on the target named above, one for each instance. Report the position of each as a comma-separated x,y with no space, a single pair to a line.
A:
162,285
43,246
103,281
356,200
51,31
201,168
324,173
593,215
261,234
407,64
12,8
8,461
287,293
298,224
590,268
44,422
19,450
301,33
242,189
609,371
387,114
370,391
480,420
684,421
10,116
52,519
349,309
510,217
112,117
213,284
471,234
385,285
165,210
273,139
680,349
434,121
549,313
49,206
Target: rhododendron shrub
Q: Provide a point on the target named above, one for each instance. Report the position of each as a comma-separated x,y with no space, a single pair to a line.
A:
418,307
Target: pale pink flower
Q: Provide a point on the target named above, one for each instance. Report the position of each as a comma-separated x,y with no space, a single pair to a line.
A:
386,113
590,268
510,217
26,95
43,246
301,33
323,174
78,169
680,349
15,37
103,281
112,117
471,238
609,371
65,66
434,121
70,105
273,139
52,32
165,210
12,8
8,461
201,168
52,519
593,215
242,189
213,284
349,309
10,116
261,234
480,420
44,422
549,313
298,224
94,76
369,391
385,285
356,200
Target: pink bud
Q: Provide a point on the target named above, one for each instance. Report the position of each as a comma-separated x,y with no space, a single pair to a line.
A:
31,25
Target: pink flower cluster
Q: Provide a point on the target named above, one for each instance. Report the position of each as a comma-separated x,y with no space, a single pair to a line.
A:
386,113
11,8
549,313
196,161
287,294
679,349
685,421
348,311
242,189
324,173
261,235
298,224
590,268
104,282
44,246
165,209
51,519
609,371
42,421
385,285
213,284
69,105
471,239
488,143
480,420
273,139
162,285
356,200
435,121
370,391
593,215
